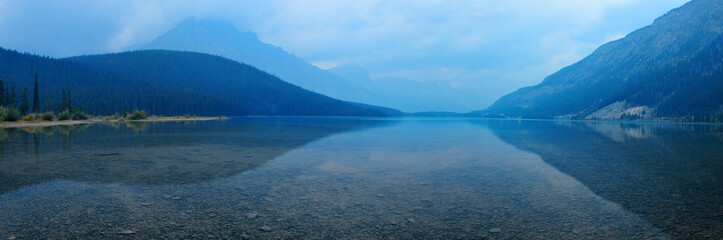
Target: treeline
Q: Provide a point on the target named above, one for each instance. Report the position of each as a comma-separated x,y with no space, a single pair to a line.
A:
84,88
13,108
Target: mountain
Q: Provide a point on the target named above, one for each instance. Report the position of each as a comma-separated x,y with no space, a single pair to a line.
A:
354,74
670,69
168,83
350,83
225,40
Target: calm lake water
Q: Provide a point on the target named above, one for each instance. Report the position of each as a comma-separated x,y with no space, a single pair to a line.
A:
268,178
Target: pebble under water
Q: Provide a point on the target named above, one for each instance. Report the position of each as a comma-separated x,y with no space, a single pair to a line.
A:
362,178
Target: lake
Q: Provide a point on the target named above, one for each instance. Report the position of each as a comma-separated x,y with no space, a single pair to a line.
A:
363,178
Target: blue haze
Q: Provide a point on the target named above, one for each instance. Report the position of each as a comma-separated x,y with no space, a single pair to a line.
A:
479,50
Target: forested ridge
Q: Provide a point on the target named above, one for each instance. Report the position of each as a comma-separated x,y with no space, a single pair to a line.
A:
168,83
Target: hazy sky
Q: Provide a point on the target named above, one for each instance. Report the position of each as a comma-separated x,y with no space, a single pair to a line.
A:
490,47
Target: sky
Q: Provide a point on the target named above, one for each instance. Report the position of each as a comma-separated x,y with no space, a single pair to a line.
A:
484,47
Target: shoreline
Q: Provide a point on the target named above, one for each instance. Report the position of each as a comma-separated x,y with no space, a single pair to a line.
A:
23,124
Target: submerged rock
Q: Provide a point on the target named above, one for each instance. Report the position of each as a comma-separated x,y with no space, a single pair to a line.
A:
265,228
495,230
126,232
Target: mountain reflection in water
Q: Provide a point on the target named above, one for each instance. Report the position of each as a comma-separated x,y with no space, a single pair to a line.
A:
155,153
669,174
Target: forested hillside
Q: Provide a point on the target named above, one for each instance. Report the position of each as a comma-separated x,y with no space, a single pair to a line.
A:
167,83
670,69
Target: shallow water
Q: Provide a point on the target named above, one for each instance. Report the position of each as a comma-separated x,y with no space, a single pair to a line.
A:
363,179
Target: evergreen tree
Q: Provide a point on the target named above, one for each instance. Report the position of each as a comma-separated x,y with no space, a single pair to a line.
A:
2,93
63,101
70,105
24,105
36,96
11,98
48,105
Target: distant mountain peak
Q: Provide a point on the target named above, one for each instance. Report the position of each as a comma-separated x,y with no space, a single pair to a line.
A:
224,39
201,35
213,27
